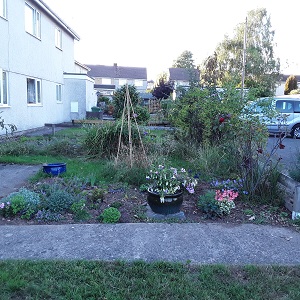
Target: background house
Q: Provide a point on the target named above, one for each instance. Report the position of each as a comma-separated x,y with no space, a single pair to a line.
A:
183,77
110,78
37,66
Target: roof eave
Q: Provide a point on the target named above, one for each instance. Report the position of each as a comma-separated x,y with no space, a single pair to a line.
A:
47,9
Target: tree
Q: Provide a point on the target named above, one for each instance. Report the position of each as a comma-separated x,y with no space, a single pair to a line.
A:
185,61
262,68
163,88
120,97
211,72
290,84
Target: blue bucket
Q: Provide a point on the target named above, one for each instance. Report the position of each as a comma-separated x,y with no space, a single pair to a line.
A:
55,168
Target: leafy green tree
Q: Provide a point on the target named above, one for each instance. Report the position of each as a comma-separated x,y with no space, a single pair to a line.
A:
290,84
120,97
139,112
262,68
185,61
211,71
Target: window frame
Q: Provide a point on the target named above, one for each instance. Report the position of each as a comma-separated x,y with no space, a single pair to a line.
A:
35,23
58,90
106,81
3,89
3,12
58,38
37,91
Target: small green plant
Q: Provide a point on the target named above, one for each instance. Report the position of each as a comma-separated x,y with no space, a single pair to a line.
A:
116,204
97,195
79,211
208,205
110,215
248,212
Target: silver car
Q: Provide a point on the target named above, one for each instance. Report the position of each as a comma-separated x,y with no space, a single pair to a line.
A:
288,119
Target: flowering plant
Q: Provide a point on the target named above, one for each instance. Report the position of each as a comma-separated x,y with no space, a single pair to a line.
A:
225,200
169,180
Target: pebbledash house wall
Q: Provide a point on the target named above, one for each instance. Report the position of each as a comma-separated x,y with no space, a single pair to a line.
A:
23,56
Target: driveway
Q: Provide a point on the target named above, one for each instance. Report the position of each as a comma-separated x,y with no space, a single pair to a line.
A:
14,177
289,154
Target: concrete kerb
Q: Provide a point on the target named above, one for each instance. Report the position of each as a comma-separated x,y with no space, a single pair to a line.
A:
196,243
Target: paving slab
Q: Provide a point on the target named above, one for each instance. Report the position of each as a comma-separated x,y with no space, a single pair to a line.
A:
196,243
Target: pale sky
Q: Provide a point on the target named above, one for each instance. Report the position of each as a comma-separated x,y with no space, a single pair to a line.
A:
153,33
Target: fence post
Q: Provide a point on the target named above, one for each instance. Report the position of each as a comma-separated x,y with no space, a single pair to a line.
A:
296,206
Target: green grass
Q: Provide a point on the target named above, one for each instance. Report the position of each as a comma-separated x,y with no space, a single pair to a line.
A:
140,280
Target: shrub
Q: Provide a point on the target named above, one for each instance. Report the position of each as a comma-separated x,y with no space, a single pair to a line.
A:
79,210
208,205
23,202
110,215
59,201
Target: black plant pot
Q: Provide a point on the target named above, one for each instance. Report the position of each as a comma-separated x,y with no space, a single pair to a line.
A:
171,205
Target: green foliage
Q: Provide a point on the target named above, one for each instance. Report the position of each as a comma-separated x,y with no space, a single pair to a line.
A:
142,115
59,200
103,141
185,60
79,211
290,84
110,215
208,205
97,195
24,202
123,172
120,97
262,68
204,116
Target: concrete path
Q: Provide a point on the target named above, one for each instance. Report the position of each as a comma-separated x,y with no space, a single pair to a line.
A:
13,177
195,243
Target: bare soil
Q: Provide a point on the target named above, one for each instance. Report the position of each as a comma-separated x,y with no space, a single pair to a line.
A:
132,204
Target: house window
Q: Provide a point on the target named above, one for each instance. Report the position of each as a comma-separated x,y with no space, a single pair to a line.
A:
58,38
58,93
138,82
122,81
3,88
33,91
106,81
32,21
3,8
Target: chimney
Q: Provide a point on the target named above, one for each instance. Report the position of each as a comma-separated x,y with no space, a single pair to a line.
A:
115,64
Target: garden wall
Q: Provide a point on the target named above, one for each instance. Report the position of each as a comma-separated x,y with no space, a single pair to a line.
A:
292,188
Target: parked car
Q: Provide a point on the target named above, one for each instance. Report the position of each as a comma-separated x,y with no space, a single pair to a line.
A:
287,119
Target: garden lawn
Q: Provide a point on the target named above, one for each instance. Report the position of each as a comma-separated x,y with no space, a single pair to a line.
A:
140,280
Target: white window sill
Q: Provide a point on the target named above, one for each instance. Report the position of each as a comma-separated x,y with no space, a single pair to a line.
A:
4,106
35,105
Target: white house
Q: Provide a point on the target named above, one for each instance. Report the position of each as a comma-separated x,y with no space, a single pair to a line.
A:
37,67
109,78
